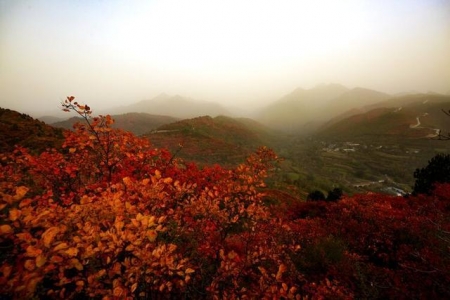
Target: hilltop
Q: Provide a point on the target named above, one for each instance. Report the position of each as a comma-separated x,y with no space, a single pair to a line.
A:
208,140
303,111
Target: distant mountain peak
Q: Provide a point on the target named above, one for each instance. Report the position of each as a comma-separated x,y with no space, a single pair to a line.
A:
329,86
176,106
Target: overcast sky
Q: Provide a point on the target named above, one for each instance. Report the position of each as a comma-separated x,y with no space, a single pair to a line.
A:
110,53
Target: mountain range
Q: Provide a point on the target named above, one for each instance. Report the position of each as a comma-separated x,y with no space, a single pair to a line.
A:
303,111
137,123
174,106
330,110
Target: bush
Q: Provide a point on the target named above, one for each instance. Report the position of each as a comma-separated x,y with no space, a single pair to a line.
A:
315,196
437,171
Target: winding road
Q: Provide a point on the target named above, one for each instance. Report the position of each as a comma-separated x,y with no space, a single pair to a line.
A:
418,126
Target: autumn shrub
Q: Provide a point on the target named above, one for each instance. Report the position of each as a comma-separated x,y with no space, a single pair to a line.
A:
108,216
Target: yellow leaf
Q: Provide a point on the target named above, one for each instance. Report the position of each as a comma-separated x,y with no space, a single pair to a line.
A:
31,285
14,214
232,254
134,287
72,150
281,269
61,246
20,192
56,259
127,181
25,202
167,180
151,221
119,225
30,265
33,252
40,260
151,235
189,271
25,236
76,264
79,283
117,292
71,252
49,235
158,174
135,223
6,270
5,229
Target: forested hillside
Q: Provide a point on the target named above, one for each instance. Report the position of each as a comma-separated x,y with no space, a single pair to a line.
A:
21,129
205,140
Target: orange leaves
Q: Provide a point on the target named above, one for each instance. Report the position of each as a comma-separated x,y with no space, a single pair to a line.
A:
20,193
152,235
5,229
33,251
281,269
49,235
14,214
56,259
61,246
127,181
75,263
30,264
167,180
71,252
40,260
189,271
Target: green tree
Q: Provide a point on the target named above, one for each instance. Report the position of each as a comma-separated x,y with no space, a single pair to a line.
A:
334,195
315,196
437,171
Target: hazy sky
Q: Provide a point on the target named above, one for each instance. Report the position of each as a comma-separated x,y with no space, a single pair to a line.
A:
110,53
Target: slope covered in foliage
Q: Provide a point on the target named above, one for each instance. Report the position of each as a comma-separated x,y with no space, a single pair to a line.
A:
413,116
21,129
207,140
109,216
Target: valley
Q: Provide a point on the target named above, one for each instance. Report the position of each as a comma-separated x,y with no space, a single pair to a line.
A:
376,164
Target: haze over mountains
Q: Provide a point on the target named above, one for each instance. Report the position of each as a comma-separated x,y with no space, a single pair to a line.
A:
303,111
